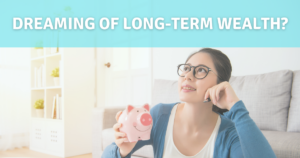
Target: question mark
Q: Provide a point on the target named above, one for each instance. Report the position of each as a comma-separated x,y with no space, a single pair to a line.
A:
285,21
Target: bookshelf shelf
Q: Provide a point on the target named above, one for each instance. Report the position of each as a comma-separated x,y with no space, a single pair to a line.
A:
37,118
53,87
53,55
37,58
45,119
69,135
54,120
43,88
35,89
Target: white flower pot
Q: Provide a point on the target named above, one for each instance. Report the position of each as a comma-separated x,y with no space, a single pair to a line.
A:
40,52
39,113
56,81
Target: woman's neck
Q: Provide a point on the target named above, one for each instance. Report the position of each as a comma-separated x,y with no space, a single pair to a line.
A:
195,117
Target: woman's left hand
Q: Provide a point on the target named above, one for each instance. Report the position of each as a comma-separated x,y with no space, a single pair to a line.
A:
222,95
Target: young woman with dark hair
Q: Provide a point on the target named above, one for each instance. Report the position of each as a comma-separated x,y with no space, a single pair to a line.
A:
210,122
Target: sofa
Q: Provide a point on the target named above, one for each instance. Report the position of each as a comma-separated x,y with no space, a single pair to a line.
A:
272,99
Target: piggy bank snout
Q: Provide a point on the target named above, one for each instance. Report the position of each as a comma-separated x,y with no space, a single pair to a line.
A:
146,119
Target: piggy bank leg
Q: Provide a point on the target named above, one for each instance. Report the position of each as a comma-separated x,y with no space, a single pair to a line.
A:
132,138
145,137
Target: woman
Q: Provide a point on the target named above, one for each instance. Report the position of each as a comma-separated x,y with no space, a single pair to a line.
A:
211,121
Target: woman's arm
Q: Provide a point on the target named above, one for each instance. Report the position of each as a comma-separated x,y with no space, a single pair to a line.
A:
252,143
112,151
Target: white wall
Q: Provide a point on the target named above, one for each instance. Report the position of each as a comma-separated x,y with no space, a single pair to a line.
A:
14,97
244,61
100,78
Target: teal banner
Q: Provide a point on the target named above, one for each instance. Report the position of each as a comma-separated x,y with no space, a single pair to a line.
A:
144,23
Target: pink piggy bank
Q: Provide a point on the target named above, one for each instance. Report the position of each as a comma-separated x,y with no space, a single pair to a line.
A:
136,123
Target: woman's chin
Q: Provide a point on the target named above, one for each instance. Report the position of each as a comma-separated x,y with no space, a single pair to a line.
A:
189,98
186,99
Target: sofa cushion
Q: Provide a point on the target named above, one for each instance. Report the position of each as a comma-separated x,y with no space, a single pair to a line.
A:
266,97
108,138
294,113
109,116
284,144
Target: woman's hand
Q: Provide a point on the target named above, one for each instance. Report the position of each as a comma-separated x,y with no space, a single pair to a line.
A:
222,95
120,137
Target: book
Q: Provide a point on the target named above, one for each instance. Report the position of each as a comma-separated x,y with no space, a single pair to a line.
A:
53,116
45,113
43,75
60,73
60,108
35,77
39,77
57,106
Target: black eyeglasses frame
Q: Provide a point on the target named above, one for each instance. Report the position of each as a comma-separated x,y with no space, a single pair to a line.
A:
190,67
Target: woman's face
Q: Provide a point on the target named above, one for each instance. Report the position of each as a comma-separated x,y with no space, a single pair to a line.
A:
196,95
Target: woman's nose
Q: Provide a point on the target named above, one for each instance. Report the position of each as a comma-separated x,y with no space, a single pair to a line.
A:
189,75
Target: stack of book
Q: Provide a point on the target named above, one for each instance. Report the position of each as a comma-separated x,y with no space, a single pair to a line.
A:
57,107
39,76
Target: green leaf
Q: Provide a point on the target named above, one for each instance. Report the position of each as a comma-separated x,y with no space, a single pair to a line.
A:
39,104
55,72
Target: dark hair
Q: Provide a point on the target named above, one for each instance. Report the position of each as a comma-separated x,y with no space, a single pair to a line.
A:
222,65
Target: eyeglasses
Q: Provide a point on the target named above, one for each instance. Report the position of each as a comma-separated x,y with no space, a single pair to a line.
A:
200,71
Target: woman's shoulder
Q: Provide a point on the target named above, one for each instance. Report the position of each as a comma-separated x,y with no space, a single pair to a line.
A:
160,114
227,130
226,138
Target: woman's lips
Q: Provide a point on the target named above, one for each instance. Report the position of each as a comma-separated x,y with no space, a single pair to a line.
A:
187,88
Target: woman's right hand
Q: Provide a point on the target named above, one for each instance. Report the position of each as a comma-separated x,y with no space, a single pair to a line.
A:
120,137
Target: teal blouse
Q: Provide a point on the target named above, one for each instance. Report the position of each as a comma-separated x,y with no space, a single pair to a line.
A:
238,135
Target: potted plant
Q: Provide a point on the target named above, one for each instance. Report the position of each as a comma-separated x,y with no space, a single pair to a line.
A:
55,74
39,48
39,108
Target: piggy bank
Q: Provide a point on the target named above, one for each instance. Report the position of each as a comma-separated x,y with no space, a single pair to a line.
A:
136,123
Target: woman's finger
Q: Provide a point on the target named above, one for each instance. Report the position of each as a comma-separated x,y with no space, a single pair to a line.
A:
117,126
119,135
212,96
219,89
218,92
120,141
207,94
118,115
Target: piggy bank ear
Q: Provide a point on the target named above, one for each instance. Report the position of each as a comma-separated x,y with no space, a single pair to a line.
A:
129,108
146,106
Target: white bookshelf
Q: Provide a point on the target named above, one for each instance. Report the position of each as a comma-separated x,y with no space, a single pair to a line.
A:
70,135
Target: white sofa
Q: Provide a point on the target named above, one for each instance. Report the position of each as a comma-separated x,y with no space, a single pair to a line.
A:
272,99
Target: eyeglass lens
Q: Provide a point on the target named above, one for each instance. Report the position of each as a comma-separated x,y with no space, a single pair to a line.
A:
200,71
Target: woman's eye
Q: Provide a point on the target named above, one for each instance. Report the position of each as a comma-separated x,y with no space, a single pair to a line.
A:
201,70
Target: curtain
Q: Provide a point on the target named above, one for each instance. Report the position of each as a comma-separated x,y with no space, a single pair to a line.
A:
14,98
